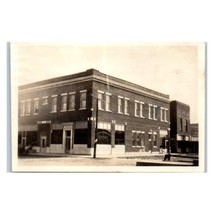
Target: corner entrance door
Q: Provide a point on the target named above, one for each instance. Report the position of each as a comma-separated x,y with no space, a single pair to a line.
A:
43,143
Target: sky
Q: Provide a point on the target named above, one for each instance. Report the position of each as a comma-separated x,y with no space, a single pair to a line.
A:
171,69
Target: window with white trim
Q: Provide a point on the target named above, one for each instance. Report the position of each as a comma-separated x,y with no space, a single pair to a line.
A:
22,110
28,106
138,138
155,113
44,100
164,114
71,101
54,103
83,99
126,106
64,102
101,103
136,108
150,111
108,102
141,109
36,106
120,105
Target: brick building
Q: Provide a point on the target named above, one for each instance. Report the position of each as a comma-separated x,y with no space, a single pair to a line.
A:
59,115
180,130
194,131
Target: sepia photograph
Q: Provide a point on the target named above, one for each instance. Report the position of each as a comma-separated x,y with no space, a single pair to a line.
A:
111,107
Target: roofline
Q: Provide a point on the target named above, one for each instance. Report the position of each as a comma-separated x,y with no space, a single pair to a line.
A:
179,102
89,75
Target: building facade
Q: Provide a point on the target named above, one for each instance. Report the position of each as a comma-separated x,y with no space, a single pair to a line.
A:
179,126
59,115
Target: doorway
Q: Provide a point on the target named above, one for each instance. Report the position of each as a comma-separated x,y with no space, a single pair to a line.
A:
68,138
43,143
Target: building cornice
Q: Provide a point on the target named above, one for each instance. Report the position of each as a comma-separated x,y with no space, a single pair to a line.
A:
98,77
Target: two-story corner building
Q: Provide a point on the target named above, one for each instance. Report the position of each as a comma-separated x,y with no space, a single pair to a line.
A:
59,115
180,126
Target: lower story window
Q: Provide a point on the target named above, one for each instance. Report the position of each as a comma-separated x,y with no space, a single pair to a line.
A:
56,137
104,136
119,138
138,138
81,136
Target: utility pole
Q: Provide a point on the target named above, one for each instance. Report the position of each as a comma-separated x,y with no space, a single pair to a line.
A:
96,127
96,130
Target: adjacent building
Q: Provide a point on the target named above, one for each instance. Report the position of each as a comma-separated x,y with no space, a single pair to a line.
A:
180,128
59,115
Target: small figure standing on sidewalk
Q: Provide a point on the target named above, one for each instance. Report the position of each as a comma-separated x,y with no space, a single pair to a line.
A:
151,147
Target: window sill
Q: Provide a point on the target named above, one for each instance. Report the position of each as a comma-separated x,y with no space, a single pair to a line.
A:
82,108
71,110
53,111
137,116
35,113
108,110
127,114
63,110
120,113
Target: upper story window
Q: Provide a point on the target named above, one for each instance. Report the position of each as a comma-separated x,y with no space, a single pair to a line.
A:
72,101
164,114
36,106
64,102
136,108
120,104
153,113
186,125
83,99
54,103
28,107
108,102
141,109
150,111
101,102
45,100
22,110
126,105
